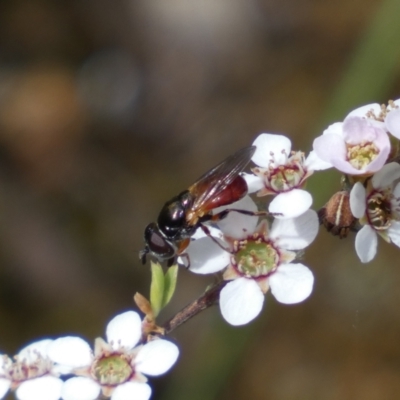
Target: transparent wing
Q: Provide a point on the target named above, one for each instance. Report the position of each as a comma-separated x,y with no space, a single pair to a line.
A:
218,178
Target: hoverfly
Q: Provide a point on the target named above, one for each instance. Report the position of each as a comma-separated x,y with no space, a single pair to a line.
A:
183,214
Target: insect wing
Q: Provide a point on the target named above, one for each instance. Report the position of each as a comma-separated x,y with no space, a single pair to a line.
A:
218,178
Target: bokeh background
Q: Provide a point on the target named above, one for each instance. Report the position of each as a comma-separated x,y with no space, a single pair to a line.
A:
109,108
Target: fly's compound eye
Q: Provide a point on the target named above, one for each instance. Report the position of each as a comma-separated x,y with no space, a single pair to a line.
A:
157,244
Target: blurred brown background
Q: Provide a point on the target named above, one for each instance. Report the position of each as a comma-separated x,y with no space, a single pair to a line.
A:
109,108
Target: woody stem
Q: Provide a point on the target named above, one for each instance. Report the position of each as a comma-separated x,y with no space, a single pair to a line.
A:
209,298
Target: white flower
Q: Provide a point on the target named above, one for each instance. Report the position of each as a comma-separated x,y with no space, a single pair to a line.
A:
357,146
257,259
31,374
116,368
384,116
378,208
283,173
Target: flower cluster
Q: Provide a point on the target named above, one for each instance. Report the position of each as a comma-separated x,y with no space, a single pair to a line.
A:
365,148
250,228
116,368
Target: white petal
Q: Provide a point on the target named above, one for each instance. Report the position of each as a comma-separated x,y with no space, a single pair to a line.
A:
80,388
394,233
254,183
240,301
291,283
156,357
4,386
290,204
314,163
295,233
124,330
392,122
237,225
385,177
132,391
358,200
43,388
70,351
3,363
366,244
268,143
30,353
206,257
396,190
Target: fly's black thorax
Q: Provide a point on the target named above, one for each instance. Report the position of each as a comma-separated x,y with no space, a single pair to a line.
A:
172,218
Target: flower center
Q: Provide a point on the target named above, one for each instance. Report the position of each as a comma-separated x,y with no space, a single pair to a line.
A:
284,177
112,370
22,370
362,154
379,211
255,258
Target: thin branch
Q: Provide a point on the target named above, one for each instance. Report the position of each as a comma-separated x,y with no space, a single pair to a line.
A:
209,298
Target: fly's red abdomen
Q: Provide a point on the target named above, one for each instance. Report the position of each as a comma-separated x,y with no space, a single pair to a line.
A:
232,193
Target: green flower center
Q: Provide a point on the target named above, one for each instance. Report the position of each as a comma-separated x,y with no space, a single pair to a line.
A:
362,154
285,178
256,258
112,370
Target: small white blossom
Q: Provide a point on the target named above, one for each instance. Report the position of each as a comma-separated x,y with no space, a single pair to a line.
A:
117,368
282,172
378,208
257,259
31,374
357,146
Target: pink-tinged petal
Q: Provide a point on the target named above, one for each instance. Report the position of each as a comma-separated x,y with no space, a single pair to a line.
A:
291,283
290,204
330,148
4,386
357,130
254,183
366,244
363,110
336,129
31,352
240,301
295,233
358,203
314,163
206,257
277,145
43,388
386,176
132,391
392,122
80,388
394,233
70,351
124,330
237,225
384,149
156,357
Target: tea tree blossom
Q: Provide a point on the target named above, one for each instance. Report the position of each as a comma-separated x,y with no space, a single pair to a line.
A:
378,208
117,368
31,374
355,147
283,173
257,259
